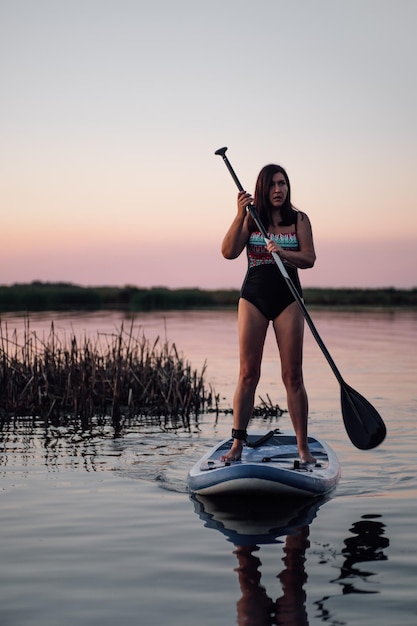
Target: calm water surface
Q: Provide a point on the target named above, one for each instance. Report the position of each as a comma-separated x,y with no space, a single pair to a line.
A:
98,531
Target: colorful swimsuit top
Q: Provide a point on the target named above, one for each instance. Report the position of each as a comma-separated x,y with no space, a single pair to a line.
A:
256,247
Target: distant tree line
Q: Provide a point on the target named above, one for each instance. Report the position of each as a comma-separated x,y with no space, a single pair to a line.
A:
44,296
388,297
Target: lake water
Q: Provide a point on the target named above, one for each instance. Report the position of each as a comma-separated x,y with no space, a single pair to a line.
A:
101,531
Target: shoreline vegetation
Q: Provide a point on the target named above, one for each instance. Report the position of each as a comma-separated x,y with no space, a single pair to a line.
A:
119,379
44,296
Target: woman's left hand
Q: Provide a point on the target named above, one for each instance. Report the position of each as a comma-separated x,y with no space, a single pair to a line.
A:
272,246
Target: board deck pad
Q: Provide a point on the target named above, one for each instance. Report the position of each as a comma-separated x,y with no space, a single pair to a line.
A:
280,450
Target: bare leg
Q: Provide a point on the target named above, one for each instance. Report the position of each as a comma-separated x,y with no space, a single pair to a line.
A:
289,332
252,327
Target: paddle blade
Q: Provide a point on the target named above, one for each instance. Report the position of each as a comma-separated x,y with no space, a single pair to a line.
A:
363,424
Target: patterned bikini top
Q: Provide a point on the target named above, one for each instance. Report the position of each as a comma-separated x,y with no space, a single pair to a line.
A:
256,247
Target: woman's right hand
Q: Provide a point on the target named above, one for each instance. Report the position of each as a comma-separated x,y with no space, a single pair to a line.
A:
243,199
237,236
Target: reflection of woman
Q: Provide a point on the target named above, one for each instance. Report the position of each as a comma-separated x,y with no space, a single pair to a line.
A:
291,606
255,607
266,297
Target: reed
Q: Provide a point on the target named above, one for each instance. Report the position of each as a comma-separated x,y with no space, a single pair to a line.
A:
120,375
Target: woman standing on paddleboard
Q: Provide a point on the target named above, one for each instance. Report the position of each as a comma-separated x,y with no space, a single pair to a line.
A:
265,297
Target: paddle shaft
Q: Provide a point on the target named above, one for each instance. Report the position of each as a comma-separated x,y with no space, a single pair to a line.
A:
252,210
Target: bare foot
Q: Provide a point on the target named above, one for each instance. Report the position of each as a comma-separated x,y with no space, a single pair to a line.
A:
234,453
307,458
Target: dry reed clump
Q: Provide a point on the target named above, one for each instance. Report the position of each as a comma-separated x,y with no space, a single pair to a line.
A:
118,376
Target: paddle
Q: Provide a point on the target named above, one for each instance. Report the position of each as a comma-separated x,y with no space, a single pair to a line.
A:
362,421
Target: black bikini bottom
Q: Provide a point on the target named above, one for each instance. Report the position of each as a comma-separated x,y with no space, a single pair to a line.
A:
266,288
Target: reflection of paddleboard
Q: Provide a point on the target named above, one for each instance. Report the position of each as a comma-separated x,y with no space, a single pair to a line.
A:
256,520
272,467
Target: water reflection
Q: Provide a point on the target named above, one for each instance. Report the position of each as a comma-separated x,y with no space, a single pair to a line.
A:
24,442
255,607
367,544
254,522
249,524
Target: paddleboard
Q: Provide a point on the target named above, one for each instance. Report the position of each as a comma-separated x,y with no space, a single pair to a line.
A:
272,467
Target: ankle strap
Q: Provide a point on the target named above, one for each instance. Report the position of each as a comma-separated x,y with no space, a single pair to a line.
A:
239,434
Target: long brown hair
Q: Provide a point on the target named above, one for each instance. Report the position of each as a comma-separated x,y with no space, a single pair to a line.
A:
261,197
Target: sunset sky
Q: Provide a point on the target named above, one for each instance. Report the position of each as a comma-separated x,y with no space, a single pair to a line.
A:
111,111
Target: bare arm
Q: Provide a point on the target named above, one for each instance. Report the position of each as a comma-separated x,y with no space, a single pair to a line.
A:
237,236
303,258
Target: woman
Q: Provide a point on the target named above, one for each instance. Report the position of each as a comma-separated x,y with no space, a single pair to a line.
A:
265,297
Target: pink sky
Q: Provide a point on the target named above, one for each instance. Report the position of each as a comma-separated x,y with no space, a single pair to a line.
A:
341,265
107,166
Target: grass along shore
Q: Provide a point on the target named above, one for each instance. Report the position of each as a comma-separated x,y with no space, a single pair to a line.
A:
43,296
118,376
